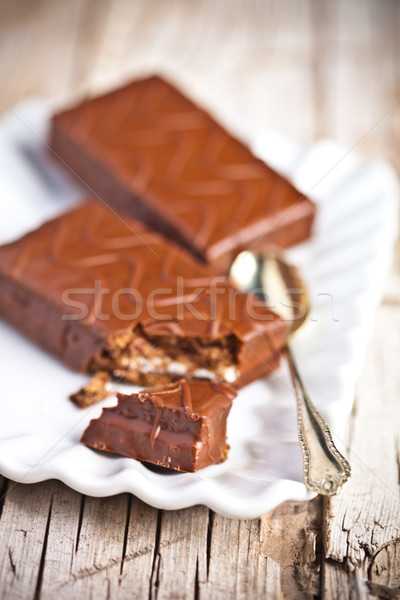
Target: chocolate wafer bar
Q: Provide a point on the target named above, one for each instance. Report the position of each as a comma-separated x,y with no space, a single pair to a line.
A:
104,293
149,151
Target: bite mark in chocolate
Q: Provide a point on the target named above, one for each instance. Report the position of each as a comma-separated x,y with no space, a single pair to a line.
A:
103,298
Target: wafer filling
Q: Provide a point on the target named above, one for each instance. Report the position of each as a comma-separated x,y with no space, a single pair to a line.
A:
172,356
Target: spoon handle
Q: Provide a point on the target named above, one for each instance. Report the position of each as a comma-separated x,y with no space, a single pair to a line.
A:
325,469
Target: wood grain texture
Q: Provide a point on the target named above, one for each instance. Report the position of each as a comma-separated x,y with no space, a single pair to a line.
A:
307,68
24,529
365,518
88,548
292,539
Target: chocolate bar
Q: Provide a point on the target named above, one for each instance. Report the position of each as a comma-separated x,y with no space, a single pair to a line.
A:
180,426
104,293
150,152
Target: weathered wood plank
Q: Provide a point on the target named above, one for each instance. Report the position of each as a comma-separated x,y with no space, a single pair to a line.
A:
291,539
3,491
61,542
96,564
24,530
180,564
356,73
140,551
37,48
366,516
237,569
384,570
338,582
98,547
354,51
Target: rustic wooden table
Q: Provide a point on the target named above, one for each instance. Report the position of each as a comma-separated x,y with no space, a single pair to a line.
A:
307,68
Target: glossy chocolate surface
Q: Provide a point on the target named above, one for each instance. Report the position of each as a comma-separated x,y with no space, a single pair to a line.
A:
80,282
181,426
149,151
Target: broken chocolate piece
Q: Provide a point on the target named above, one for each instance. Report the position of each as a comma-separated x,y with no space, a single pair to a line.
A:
94,391
180,426
149,151
105,294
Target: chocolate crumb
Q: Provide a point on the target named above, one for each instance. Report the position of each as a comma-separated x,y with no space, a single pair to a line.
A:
95,391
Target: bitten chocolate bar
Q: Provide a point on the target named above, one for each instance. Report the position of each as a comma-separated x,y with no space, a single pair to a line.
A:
104,293
180,426
149,151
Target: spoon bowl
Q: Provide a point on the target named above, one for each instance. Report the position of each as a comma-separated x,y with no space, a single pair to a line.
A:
270,277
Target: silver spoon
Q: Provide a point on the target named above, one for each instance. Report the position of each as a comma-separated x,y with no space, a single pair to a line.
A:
268,275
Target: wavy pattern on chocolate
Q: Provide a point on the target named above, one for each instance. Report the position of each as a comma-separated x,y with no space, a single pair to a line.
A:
86,265
162,148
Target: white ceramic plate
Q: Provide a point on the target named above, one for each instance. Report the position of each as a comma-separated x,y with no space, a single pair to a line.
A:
344,265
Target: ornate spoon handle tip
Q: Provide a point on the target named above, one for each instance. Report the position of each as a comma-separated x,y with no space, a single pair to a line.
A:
325,469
